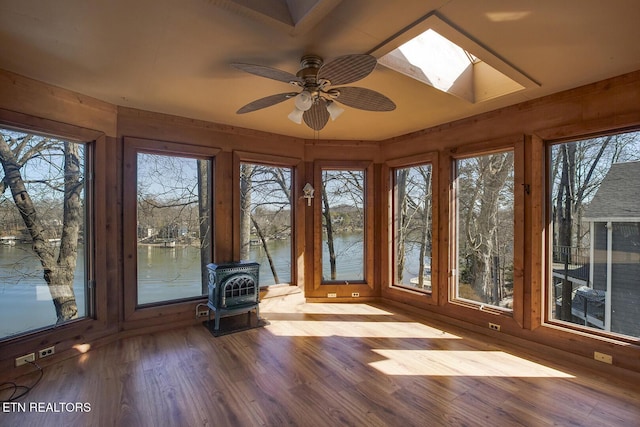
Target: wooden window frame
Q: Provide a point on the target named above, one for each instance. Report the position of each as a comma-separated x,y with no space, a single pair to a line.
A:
133,146
516,144
276,161
430,158
97,311
546,282
341,288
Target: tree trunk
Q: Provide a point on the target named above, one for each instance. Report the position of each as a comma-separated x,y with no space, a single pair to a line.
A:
245,210
425,229
62,287
494,174
401,222
272,265
58,274
566,192
204,207
326,212
568,210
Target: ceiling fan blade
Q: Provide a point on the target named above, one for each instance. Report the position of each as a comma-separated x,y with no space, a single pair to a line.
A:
265,102
364,99
347,69
270,73
317,116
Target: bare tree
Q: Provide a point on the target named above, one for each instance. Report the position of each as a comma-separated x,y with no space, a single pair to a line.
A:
342,193
246,176
401,221
265,207
59,271
263,241
425,222
204,218
581,168
578,169
413,218
482,185
328,227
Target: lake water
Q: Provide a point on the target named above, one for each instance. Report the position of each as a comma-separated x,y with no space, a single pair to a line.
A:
25,301
163,274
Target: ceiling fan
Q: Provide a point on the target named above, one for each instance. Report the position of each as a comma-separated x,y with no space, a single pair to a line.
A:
316,102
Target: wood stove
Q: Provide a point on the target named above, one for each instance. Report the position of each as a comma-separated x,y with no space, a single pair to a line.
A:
233,289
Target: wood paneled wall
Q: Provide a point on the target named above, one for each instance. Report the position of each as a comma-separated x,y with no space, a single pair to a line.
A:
611,105
593,109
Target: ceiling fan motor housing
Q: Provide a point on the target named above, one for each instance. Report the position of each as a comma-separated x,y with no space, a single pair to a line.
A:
309,66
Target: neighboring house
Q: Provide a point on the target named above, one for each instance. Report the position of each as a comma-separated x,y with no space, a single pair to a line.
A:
614,267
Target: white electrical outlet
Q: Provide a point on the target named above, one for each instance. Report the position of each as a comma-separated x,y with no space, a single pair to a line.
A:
355,294
23,360
332,295
494,326
603,357
47,351
202,310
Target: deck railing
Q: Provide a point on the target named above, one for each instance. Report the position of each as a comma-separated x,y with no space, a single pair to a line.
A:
574,262
573,256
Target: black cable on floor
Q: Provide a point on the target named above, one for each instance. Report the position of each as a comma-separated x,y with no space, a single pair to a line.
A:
20,391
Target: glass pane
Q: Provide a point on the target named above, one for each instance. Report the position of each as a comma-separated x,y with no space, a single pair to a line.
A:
342,196
173,212
595,216
265,220
42,229
412,227
484,191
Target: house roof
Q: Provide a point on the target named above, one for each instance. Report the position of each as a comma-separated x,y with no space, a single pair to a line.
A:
618,197
174,57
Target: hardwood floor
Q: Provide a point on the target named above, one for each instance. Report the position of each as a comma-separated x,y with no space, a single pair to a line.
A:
325,364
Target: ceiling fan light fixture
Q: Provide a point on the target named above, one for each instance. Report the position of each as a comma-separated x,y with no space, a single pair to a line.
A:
334,110
304,100
296,115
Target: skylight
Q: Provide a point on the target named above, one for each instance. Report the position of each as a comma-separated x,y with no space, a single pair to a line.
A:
452,63
433,52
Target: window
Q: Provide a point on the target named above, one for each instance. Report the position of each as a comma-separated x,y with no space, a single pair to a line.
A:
167,224
342,196
266,219
45,233
174,233
594,246
412,226
485,229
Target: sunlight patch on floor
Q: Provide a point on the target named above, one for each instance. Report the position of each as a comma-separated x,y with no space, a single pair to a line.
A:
342,309
321,328
453,363
277,306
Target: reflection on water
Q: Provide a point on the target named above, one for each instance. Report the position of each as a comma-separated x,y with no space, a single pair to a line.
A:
280,251
25,301
168,273
349,257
